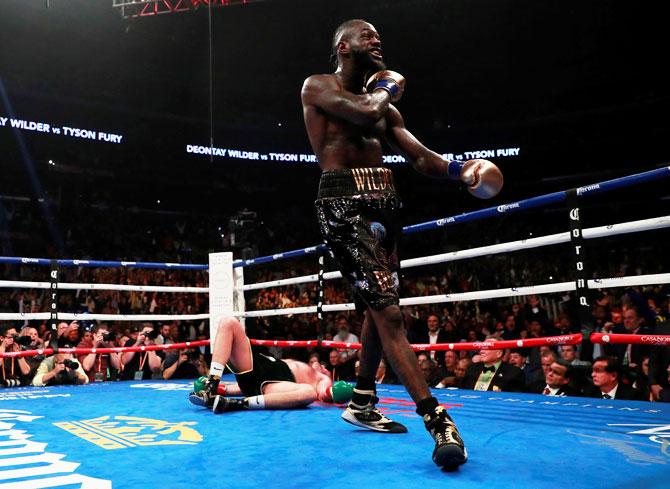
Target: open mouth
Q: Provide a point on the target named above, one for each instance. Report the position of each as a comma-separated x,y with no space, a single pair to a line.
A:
376,53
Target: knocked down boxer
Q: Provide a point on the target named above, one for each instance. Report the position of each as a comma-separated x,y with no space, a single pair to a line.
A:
264,381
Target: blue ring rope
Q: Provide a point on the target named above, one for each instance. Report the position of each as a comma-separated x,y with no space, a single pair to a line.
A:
531,203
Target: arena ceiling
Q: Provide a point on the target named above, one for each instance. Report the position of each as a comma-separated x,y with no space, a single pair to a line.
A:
577,85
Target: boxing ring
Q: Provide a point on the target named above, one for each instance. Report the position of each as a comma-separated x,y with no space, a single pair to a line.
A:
130,434
140,434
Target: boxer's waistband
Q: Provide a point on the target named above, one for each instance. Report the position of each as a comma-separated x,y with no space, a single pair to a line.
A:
356,181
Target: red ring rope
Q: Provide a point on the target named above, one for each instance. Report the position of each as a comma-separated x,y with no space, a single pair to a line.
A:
570,339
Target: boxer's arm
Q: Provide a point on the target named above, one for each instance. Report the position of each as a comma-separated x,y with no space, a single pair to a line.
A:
483,178
325,93
423,160
323,388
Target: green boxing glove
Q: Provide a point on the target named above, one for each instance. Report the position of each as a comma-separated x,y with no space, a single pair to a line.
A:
341,392
199,384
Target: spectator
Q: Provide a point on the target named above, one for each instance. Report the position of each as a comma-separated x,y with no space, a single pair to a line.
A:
546,360
460,371
492,374
188,364
31,341
384,375
141,365
35,340
431,371
569,354
557,380
531,375
641,384
314,357
606,374
510,331
659,361
434,334
59,369
345,336
99,367
164,335
339,370
630,356
13,371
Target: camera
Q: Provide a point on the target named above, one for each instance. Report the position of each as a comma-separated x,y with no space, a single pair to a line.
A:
192,355
108,337
152,335
71,364
22,340
11,382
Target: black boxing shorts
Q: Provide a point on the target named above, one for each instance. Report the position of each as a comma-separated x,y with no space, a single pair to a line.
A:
265,369
357,210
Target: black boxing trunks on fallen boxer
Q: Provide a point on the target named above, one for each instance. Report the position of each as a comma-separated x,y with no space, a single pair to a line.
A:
265,369
357,213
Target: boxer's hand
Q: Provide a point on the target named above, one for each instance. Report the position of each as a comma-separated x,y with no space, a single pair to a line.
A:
390,81
483,178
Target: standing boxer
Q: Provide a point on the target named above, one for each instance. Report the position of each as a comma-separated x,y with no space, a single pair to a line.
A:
347,120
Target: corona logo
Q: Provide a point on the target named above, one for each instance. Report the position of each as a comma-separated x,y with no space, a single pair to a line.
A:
506,207
116,432
588,188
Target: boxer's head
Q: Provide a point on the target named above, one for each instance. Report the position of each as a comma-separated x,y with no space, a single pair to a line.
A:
358,41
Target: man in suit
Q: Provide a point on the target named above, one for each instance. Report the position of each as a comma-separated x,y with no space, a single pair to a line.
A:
630,356
492,374
518,357
557,380
434,334
659,363
606,374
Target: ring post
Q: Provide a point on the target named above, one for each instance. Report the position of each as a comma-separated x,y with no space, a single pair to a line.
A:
221,287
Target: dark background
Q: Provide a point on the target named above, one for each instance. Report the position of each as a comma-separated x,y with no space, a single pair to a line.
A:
579,86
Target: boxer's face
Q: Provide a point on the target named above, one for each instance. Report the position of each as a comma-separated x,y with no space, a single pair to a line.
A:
365,46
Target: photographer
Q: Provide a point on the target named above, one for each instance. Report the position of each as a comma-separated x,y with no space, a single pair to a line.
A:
59,369
188,364
141,365
30,340
99,367
13,371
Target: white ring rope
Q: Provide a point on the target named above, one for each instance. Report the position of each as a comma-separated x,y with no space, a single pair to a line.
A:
552,239
603,283
597,232
13,316
74,286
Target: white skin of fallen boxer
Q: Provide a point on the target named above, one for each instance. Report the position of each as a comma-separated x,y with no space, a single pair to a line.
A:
231,346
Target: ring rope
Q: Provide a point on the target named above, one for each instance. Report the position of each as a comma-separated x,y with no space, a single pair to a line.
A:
569,339
20,260
552,239
115,349
616,338
81,286
542,200
85,316
603,283
533,202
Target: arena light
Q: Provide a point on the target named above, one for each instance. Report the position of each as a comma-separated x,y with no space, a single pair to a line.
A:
148,8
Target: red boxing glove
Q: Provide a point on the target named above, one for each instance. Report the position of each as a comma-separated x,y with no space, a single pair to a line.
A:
483,178
389,81
221,389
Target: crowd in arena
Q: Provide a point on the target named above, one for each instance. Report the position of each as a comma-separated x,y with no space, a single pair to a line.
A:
639,372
